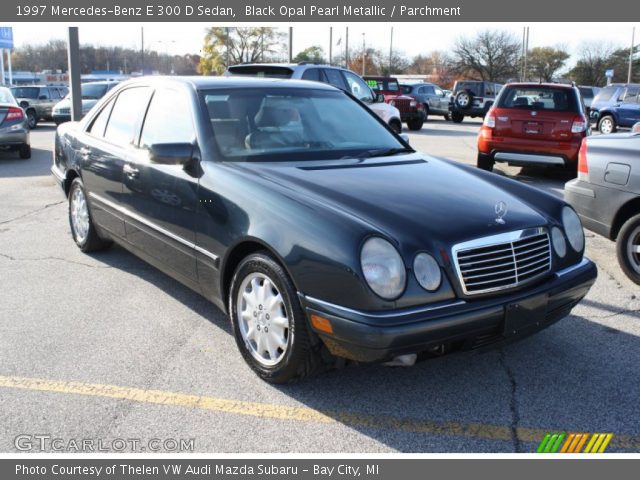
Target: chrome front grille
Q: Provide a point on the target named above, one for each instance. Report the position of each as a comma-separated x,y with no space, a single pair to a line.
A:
502,261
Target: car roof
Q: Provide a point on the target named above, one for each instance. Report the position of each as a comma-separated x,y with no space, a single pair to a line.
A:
292,66
538,85
204,83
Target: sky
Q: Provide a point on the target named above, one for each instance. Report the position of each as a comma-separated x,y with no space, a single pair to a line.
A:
409,38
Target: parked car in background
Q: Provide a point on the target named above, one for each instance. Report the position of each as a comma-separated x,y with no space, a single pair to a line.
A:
434,100
14,126
266,171
341,78
91,93
472,98
616,106
38,101
534,124
588,94
411,111
606,193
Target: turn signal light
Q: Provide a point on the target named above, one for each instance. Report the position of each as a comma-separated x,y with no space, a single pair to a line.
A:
583,166
321,324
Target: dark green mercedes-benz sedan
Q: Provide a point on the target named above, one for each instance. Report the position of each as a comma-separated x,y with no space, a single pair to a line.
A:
319,230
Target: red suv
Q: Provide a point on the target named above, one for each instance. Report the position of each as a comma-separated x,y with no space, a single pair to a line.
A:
534,124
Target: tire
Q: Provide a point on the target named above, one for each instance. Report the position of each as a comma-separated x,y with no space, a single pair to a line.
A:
426,111
295,355
607,124
25,151
396,126
415,125
83,229
457,117
464,100
32,119
485,162
628,241
447,117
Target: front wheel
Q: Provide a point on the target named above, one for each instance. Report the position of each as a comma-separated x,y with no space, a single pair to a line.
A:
25,151
268,322
32,119
415,124
82,226
628,248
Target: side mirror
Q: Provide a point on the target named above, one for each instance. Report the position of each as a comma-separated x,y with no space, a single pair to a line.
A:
171,153
405,137
636,128
42,97
379,98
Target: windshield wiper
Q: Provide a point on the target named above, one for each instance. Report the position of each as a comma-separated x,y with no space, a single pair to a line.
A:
383,152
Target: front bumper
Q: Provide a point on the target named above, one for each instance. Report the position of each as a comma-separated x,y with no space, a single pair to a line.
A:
412,115
379,336
59,118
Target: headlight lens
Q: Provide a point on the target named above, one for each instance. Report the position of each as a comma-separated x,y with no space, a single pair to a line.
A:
559,244
427,271
573,228
383,268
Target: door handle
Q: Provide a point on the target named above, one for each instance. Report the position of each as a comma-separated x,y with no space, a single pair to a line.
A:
131,172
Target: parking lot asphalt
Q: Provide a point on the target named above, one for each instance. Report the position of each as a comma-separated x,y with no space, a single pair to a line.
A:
105,347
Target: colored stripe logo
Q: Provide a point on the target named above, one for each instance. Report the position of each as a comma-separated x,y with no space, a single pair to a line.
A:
560,442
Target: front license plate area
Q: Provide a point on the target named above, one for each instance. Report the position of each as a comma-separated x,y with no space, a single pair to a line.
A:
520,316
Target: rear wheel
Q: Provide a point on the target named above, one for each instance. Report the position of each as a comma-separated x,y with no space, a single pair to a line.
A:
628,248
485,162
415,124
607,124
82,226
268,323
25,151
457,117
32,118
426,111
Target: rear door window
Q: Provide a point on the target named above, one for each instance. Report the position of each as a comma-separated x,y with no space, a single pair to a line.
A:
632,95
542,98
126,115
312,74
334,78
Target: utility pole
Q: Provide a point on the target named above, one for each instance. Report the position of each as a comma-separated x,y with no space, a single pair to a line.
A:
633,41
290,44
142,50
330,45
226,46
73,57
1,66
524,34
526,55
391,53
346,49
364,55
10,70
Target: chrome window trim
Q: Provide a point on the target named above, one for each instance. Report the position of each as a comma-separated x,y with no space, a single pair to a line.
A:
154,226
507,237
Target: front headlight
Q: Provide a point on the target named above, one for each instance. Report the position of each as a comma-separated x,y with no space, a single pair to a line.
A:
427,272
559,244
383,268
573,228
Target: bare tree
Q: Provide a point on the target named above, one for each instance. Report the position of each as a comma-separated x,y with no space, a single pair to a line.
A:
545,62
491,55
593,60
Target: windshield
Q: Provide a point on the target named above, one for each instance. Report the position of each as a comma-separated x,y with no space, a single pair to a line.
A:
280,124
93,91
6,97
539,98
25,92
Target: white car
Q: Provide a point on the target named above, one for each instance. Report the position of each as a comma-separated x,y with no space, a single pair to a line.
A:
337,76
91,93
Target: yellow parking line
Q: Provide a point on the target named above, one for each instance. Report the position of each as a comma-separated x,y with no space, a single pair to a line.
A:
282,412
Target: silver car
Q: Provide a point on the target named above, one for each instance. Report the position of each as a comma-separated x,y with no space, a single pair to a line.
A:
14,126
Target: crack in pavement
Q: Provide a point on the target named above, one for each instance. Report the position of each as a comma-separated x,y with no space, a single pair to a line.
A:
513,402
33,212
65,260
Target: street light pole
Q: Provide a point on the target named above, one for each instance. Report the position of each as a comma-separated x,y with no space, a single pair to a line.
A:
391,53
73,57
633,40
364,54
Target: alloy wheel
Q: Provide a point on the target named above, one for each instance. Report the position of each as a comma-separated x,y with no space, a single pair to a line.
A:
79,215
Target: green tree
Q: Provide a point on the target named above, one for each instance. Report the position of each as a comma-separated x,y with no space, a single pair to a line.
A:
224,46
313,54
491,55
545,62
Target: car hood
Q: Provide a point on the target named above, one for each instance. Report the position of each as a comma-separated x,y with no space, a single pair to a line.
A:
411,198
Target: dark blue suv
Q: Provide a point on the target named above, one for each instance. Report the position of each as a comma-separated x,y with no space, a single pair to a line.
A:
616,105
